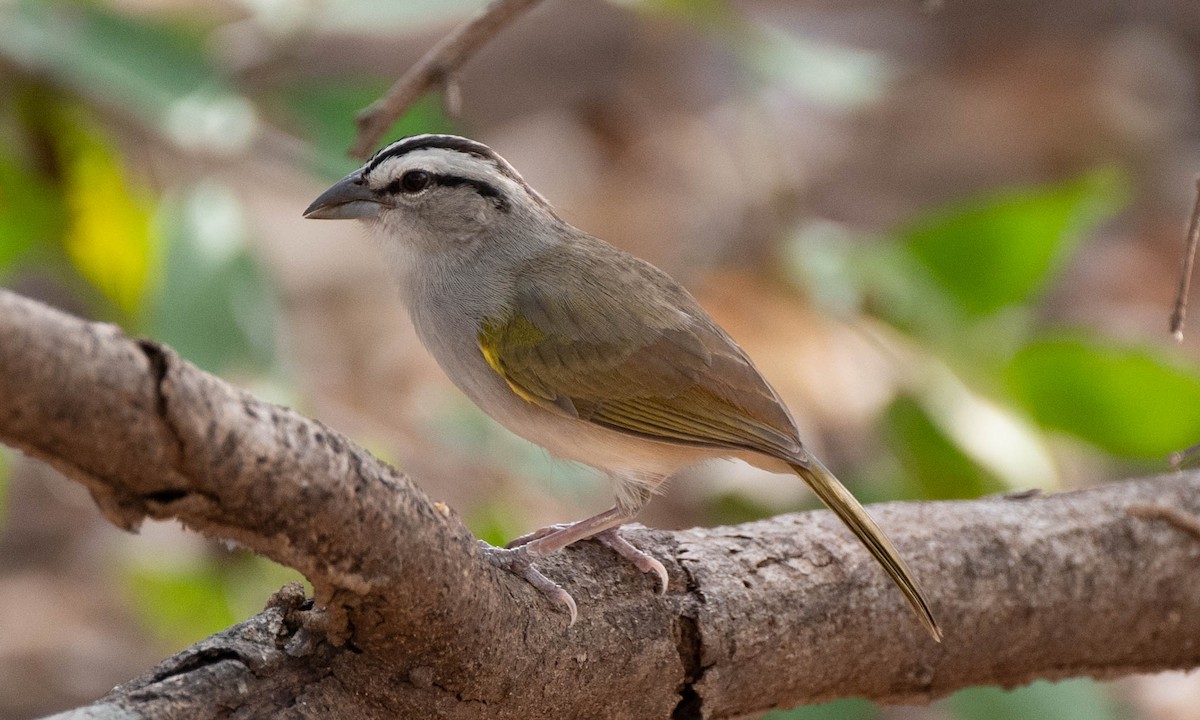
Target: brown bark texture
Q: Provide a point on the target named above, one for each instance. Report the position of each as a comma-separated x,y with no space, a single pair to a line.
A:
409,621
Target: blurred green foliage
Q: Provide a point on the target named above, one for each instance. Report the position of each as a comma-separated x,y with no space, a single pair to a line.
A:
32,214
80,225
934,466
1078,699
965,279
1129,401
108,237
141,65
213,305
321,112
848,709
962,286
991,252
184,603
496,523
181,606
732,508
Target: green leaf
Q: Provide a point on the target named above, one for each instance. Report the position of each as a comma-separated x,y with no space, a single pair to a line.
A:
734,507
997,251
1127,401
1079,699
495,522
848,709
248,581
186,602
213,305
31,213
136,65
323,114
181,605
712,14
936,467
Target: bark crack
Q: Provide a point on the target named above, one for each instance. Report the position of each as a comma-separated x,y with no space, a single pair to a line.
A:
689,642
160,365
199,659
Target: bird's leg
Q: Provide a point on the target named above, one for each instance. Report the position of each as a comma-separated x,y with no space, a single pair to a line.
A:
556,537
518,556
539,533
632,495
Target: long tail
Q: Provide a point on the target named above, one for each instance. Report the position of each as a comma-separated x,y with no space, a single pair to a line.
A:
845,506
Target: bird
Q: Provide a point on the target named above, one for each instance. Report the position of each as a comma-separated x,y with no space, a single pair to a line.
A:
575,345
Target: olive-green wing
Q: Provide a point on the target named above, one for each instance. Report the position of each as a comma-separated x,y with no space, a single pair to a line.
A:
635,354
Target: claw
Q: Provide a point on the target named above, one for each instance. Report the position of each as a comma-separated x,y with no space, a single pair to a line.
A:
518,562
643,561
556,595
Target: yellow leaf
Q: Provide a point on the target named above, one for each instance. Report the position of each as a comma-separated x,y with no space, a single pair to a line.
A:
109,237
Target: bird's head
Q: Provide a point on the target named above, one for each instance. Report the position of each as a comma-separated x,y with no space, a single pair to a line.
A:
434,191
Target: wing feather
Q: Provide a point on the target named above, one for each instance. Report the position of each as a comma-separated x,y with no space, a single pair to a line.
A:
662,370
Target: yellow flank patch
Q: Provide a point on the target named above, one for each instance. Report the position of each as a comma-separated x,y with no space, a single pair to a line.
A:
489,344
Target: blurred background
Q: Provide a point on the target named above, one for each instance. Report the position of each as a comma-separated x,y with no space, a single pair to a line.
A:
947,232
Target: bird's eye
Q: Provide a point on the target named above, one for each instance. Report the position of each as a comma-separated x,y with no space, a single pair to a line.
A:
415,181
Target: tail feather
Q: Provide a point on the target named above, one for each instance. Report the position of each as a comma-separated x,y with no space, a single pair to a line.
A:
851,512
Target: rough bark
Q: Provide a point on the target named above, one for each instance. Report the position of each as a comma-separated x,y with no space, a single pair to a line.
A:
408,621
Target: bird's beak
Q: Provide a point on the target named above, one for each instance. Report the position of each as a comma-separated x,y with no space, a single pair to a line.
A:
349,199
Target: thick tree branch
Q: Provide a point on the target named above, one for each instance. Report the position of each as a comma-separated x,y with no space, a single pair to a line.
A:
435,68
408,621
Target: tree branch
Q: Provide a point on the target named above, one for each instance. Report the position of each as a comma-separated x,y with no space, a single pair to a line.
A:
409,621
435,68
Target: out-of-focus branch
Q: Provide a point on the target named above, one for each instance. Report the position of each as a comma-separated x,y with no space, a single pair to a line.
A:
1192,240
435,68
408,621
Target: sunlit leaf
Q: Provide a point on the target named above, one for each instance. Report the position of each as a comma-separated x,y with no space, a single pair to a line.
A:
1079,699
1126,401
936,467
995,251
109,237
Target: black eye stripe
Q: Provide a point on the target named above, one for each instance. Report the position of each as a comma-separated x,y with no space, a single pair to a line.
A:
483,188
